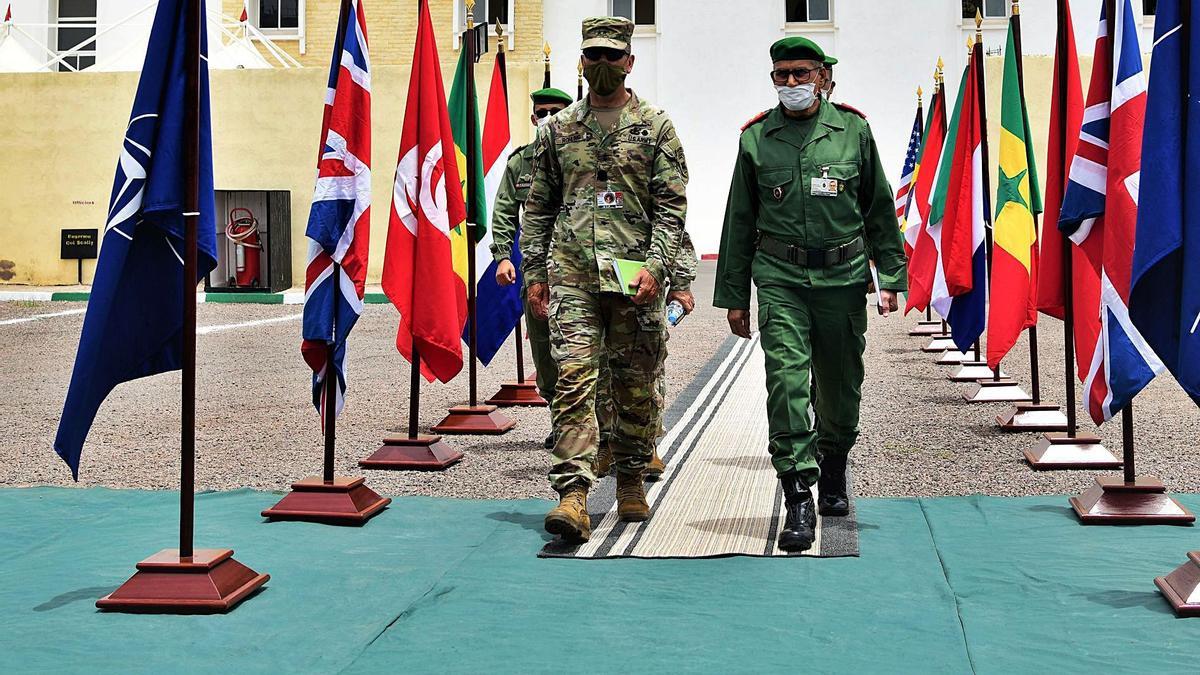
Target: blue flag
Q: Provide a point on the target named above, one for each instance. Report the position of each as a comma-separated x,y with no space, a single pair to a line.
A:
134,322
1164,299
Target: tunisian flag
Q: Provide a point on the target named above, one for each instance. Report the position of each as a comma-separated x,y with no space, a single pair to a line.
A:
418,267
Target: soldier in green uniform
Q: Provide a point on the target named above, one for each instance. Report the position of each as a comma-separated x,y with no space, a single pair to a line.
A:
609,184
808,200
506,214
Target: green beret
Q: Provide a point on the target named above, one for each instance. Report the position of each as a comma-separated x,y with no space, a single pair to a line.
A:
797,47
614,32
830,60
551,95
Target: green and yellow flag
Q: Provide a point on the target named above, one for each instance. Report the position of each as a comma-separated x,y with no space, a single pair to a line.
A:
1015,251
458,124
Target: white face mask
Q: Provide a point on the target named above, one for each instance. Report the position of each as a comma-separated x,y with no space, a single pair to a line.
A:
800,97
541,121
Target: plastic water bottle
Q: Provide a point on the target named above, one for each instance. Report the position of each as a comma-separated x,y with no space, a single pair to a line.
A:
675,312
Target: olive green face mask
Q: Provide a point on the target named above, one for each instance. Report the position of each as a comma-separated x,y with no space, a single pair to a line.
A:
603,77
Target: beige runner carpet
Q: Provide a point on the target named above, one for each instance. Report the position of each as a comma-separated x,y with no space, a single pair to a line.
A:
719,495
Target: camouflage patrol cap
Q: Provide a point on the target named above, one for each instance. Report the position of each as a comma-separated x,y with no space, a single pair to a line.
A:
613,32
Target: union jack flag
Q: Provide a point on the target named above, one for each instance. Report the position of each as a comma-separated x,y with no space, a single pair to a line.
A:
903,195
339,222
1099,212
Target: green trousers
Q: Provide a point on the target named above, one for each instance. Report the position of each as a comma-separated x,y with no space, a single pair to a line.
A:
817,332
585,327
539,348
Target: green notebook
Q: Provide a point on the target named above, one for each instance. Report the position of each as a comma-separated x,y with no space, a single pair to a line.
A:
626,270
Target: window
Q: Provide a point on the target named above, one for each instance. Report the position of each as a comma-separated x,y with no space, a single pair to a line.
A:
280,15
491,12
640,12
991,9
1149,7
76,25
807,11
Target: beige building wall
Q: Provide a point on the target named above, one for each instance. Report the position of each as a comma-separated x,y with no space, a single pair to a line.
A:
63,131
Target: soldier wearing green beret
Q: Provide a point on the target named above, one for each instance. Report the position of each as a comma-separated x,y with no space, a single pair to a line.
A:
514,188
608,195
808,201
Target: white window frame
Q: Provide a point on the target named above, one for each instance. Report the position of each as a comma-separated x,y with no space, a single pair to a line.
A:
988,21
460,23
92,22
802,27
281,34
640,29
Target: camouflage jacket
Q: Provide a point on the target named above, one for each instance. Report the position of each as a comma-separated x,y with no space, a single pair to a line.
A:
599,196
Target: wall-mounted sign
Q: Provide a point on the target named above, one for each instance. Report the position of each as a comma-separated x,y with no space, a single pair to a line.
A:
79,244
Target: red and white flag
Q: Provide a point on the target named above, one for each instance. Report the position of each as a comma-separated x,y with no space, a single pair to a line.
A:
418,267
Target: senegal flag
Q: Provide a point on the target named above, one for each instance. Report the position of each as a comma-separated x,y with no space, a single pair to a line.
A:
1014,254
458,123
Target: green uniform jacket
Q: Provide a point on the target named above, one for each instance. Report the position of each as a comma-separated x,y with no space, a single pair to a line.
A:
568,238
771,194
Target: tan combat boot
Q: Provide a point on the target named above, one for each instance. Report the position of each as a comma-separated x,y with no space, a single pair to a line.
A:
655,469
631,498
570,519
603,463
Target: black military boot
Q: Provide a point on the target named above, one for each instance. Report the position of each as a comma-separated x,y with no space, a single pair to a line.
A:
800,527
832,500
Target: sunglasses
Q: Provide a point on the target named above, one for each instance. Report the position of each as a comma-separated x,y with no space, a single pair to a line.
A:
802,75
605,53
546,111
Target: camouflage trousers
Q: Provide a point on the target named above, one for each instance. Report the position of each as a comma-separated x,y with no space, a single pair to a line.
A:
539,349
586,328
606,411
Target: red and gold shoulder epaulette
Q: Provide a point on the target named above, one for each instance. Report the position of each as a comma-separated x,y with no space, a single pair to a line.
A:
756,119
850,109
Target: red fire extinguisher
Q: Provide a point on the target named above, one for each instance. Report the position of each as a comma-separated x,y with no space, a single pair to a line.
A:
242,230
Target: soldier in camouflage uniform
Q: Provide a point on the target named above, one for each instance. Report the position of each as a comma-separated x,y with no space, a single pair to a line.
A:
609,183
682,277
514,188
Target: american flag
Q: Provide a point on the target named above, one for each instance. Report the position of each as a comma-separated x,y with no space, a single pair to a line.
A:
1099,212
339,222
903,195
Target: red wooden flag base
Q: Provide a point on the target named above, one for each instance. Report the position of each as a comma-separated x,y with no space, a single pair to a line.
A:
1060,451
209,582
994,391
1112,501
940,343
478,419
342,501
517,393
974,371
423,453
952,357
926,328
1181,588
1032,417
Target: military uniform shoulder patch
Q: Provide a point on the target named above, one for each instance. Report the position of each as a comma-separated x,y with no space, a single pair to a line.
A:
756,119
850,109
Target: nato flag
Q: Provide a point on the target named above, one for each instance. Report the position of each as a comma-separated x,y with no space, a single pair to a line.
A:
134,322
1164,300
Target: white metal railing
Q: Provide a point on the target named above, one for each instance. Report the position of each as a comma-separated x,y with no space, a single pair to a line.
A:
231,32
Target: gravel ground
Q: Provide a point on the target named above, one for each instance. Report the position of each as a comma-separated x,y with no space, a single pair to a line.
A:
256,426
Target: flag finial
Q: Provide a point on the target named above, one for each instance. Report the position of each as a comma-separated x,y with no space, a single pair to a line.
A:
970,45
499,37
919,93
978,19
1016,4
470,14
546,51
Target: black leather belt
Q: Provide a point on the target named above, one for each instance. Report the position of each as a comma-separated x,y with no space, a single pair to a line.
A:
810,257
